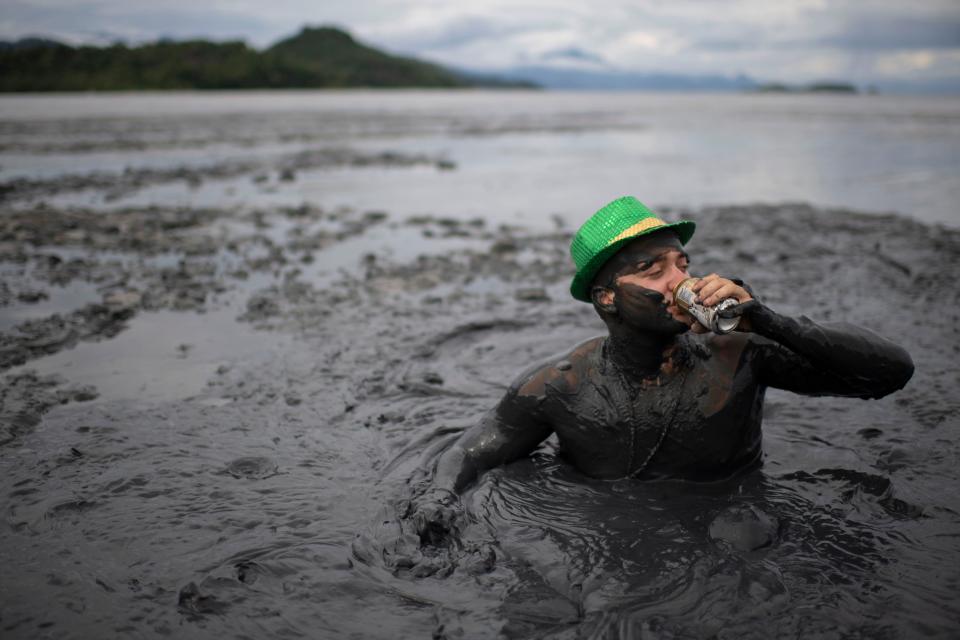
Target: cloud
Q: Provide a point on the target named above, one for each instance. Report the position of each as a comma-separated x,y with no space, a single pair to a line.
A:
880,33
100,21
860,26
428,33
917,65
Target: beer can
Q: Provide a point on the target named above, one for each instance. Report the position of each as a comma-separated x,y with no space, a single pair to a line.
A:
709,317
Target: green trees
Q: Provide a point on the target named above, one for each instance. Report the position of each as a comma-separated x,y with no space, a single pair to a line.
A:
314,58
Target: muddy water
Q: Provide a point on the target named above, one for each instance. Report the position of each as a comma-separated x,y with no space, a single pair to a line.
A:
210,418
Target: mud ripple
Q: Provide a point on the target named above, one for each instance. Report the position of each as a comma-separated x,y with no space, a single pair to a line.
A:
252,468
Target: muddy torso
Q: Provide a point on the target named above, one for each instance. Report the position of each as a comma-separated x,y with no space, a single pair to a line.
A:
700,422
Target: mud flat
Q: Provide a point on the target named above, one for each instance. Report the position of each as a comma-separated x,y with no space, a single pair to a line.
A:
285,167
319,354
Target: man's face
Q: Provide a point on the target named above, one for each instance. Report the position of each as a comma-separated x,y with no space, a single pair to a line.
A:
640,280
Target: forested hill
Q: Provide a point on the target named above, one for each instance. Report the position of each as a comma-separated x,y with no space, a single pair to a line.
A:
322,57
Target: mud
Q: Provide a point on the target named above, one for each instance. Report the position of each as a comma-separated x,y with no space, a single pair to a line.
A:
151,259
271,499
26,397
117,185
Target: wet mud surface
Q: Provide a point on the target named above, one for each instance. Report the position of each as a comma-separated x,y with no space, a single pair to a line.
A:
265,496
284,168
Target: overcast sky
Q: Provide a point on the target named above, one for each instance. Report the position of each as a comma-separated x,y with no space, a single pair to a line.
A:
857,40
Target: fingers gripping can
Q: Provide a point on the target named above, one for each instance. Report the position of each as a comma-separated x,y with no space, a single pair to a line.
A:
707,316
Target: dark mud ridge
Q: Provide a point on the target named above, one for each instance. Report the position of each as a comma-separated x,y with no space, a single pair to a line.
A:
235,510
118,185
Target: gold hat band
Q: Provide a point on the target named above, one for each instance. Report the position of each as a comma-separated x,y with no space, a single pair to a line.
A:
640,227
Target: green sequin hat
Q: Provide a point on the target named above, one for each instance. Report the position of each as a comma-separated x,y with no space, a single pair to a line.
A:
607,230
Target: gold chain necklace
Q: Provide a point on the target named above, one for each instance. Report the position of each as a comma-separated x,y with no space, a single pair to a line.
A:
663,432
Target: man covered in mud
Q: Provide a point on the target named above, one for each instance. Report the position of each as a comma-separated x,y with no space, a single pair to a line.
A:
660,396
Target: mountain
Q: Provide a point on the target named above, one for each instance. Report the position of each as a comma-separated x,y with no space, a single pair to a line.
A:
29,43
827,86
328,57
322,57
159,65
563,77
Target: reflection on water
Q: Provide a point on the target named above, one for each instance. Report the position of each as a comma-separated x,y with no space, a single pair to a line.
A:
879,153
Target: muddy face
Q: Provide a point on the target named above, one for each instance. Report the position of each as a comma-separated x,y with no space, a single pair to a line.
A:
646,310
637,284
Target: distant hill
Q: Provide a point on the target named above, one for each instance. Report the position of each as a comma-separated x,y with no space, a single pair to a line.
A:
323,57
552,77
29,43
328,57
816,87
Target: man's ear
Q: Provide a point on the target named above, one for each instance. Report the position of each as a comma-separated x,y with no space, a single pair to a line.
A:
603,299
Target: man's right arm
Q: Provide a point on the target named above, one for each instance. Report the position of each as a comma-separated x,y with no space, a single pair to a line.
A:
507,432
